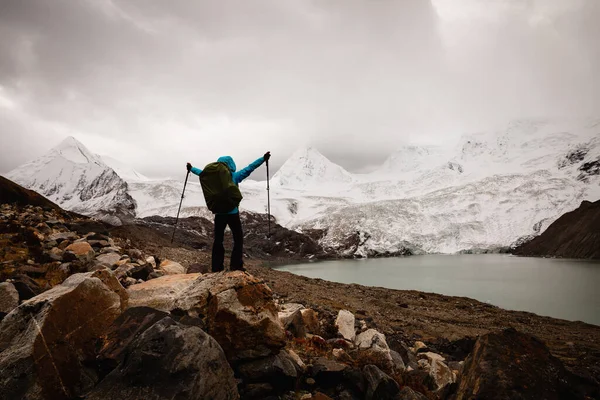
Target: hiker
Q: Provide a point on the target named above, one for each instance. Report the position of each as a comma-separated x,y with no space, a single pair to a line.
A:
229,216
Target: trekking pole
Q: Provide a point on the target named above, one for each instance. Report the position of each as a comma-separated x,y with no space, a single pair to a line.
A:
177,219
268,201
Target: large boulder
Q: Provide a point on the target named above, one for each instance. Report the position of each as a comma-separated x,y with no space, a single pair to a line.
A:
48,341
345,325
9,297
513,365
236,308
170,360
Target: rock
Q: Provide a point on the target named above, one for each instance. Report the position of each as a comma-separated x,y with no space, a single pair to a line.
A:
123,331
169,267
109,258
150,260
297,359
170,361
123,271
161,293
513,365
55,254
328,371
98,244
341,356
141,272
111,249
237,309
127,282
345,325
59,237
280,371
398,363
374,349
380,386
371,338
26,287
134,254
438,370
9,297
408,394
311,320
198,268
79,251
290,316
47,343
420,347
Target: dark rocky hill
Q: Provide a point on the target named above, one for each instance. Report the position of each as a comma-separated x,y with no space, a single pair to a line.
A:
12,193
574,235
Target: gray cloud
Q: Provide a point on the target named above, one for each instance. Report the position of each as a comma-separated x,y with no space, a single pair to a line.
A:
157,83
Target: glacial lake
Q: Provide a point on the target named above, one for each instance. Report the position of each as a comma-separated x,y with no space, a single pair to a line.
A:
560,288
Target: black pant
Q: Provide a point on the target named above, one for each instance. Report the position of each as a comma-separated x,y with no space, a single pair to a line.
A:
218,251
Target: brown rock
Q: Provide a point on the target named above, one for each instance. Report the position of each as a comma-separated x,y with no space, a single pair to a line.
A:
82,251
311,320
110,259
514,365
46,343
169,267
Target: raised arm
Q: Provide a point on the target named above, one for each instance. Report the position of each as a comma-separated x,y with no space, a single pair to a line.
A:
244,173
193,170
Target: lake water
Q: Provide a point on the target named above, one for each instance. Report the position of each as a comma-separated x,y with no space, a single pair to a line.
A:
567,289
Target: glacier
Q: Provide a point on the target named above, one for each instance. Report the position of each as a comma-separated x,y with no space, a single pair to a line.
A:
487,190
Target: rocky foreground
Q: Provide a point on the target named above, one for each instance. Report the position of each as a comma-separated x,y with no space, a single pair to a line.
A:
91,314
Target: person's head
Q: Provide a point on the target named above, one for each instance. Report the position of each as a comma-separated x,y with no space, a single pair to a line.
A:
228,161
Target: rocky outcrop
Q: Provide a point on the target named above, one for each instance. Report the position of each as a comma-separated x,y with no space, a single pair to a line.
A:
47,343
576,234
170,360
440,374
513,365
235,308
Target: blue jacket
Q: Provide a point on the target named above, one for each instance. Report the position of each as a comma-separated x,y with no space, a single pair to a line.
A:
236,176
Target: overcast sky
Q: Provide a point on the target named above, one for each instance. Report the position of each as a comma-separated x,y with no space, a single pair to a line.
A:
156,83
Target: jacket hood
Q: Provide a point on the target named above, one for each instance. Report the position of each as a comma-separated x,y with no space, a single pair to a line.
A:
229,161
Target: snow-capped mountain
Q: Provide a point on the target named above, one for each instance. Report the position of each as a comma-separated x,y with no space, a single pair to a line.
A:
78,180
485,191
308,168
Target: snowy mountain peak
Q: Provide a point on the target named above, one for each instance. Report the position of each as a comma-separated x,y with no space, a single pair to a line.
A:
73,150
77,180
308,167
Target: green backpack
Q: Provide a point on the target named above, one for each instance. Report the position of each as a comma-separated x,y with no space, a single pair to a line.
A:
220,193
